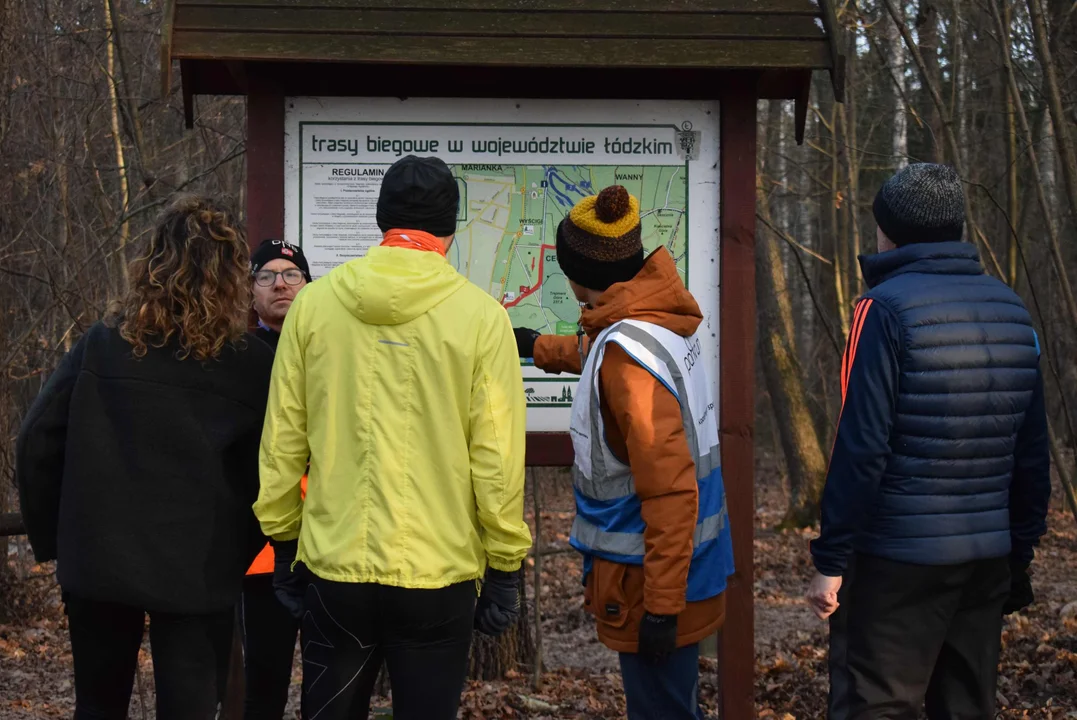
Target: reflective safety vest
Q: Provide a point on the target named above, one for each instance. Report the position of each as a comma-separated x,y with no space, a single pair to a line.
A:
608,520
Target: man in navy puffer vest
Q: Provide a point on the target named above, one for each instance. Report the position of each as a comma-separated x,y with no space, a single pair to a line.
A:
939,480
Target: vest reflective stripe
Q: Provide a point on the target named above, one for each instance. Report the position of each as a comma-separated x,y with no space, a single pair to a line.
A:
628,547
608,520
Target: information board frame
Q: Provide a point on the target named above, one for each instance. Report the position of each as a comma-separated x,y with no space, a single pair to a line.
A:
425,123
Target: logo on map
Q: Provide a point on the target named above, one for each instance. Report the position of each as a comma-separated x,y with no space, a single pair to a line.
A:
688,141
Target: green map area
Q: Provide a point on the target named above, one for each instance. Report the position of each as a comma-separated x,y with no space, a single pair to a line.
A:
506,237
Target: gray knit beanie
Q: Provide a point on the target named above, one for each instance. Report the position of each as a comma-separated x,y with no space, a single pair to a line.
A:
922,203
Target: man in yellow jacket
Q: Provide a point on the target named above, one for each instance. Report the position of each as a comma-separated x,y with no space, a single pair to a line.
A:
401,382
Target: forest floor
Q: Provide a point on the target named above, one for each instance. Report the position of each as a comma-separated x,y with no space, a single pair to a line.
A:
1038,673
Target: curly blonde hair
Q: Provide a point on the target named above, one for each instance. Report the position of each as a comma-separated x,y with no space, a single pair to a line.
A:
193,284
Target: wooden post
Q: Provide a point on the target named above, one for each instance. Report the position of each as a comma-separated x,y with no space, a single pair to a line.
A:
265,219
265,161
737,395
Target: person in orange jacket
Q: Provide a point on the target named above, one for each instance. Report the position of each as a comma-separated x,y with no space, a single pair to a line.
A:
651,519
279,270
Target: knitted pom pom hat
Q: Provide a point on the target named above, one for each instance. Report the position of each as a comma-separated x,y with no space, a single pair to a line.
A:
600,242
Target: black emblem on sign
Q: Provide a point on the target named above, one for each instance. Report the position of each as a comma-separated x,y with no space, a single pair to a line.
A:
688,141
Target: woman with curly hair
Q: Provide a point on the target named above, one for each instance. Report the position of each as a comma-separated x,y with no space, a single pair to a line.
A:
137,467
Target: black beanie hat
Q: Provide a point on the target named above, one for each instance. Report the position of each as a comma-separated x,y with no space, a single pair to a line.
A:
600,242
419,194
922,203
272,249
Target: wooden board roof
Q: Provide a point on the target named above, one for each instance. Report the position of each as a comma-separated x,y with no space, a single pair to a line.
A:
666,34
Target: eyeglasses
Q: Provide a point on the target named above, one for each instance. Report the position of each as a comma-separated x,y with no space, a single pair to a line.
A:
265,278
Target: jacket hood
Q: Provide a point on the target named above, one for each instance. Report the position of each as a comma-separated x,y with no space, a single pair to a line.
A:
936,258
656,295
392,286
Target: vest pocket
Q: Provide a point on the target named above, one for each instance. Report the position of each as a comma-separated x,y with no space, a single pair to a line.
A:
608,601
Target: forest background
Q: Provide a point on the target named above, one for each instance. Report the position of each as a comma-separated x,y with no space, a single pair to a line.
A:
90,150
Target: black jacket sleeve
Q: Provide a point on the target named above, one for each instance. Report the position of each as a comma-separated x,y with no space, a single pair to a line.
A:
1030,489
39,455
870,369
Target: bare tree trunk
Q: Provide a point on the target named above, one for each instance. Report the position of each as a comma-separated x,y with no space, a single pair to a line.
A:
852,164
927,26
804,458
130,106
1011,157
899,139
957,31
1065,476
840,263
1048,166
1049,221
117,140
1063,139
930,80
536,674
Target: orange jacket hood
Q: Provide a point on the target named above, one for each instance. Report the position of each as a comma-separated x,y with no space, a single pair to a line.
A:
656,295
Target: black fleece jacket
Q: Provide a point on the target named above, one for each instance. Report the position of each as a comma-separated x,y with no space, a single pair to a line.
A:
138,474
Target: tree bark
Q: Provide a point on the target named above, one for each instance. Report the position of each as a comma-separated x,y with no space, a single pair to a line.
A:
840,262
1054,245
852,165
929,78
957,31
1011,156
1063,138
117,141
899,138
804,458
927,25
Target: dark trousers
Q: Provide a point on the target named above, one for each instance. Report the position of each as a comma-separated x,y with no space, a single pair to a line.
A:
919,636
190,659
269,634
422,635
663,691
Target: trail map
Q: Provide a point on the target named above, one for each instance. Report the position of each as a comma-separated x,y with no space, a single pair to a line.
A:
506,237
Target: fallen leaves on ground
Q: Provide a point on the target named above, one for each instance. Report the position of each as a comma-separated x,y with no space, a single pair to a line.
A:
1038,679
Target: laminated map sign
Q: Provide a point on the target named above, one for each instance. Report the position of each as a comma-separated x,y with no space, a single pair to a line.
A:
521,166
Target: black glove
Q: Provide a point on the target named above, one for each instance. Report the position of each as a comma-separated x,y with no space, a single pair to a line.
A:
289,586
499,603
525,341
657,637
1020,589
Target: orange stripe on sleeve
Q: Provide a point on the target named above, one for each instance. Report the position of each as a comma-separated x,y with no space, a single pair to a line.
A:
854,339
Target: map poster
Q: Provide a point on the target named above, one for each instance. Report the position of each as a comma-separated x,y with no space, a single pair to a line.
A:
521,166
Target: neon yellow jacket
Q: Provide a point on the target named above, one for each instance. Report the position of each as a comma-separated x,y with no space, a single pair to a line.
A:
401,382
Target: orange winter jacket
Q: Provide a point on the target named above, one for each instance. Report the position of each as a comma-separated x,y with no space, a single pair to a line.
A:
263,564
643,426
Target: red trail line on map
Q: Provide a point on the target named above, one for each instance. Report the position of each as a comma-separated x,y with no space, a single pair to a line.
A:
531,290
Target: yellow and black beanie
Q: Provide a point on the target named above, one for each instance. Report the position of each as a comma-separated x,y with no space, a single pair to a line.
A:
600,242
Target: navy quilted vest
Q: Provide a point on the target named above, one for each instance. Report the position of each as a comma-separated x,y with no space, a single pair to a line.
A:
967,372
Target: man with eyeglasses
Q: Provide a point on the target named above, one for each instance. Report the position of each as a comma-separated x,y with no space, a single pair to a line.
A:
279,271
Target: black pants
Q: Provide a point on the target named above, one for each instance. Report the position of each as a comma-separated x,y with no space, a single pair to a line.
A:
269,633
422,635
919,636
190,659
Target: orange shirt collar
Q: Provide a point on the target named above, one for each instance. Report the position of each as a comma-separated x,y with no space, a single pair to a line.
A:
414,239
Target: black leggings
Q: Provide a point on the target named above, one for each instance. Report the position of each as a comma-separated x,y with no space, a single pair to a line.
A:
269,633
190,659
422,635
